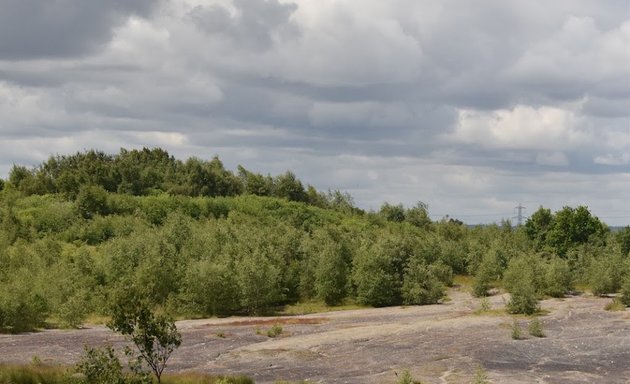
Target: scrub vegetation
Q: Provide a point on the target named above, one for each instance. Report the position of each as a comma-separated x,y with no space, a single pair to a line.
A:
194,239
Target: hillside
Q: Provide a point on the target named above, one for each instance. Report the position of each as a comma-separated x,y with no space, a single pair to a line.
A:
75,235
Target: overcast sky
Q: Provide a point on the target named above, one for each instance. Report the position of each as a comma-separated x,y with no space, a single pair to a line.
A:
470,106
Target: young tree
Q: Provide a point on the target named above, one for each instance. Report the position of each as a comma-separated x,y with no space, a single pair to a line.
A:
155,336
520,279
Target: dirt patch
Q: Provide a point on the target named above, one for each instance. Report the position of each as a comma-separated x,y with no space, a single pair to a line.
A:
442,343
273,321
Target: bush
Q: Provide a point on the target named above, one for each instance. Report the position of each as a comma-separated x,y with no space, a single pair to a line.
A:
535,328
91,201
606,274
21,308
331,272
274,331
420,286
487,272
520,281
405,378
516,330
625,291
101,366
558,278
481,377
155,336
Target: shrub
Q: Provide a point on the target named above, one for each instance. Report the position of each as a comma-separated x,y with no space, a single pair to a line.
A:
420,286
516,330
535,328
606,274
558,278
21,308
625,291
331,272
155,336
275,330
405,378
481,377
101,366
520,281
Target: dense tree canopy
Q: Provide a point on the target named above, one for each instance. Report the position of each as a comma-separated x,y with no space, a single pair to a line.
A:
195,239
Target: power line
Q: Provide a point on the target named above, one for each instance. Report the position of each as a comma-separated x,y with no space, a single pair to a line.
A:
519,215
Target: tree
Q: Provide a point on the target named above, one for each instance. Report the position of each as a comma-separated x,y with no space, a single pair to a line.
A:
419,215
155,336
420,286
331,272
573,226
520,280
395,213
288,186
537,226
92,200
623,238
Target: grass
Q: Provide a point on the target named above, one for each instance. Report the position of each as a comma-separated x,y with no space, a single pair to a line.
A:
615,305
463,281
481,377
35,374
48,374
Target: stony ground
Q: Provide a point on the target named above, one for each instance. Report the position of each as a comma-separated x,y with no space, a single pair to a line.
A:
443,343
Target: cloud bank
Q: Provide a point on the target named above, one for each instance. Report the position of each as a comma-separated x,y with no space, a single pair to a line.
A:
471,108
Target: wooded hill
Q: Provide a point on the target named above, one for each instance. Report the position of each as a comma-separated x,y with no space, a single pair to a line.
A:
195,239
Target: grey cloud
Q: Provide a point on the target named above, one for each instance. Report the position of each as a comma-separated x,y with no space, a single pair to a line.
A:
32,29
360,96
253,25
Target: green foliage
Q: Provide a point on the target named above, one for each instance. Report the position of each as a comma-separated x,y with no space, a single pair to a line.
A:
606,274
274,331
21,307
101,366
44,374
487,272
374,276
522,281
515,329
395,213
32,374
535,328
481,376
418,215
154,336
484,304
625,291
623,239
565,229
558,278
420,286
194,238
92,201
405,378
331,271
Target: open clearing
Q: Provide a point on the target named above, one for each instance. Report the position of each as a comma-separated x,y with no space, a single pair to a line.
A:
439,344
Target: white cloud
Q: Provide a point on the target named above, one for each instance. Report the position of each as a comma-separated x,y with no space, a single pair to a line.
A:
470,107
523,127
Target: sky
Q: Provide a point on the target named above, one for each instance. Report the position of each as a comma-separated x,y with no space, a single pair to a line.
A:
472,107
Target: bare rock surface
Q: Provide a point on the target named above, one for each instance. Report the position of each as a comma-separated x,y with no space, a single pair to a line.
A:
442,343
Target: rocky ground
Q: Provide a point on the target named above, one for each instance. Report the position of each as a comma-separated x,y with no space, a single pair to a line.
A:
443,343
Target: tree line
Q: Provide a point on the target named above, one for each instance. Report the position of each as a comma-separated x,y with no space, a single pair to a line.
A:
153,171
65,253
